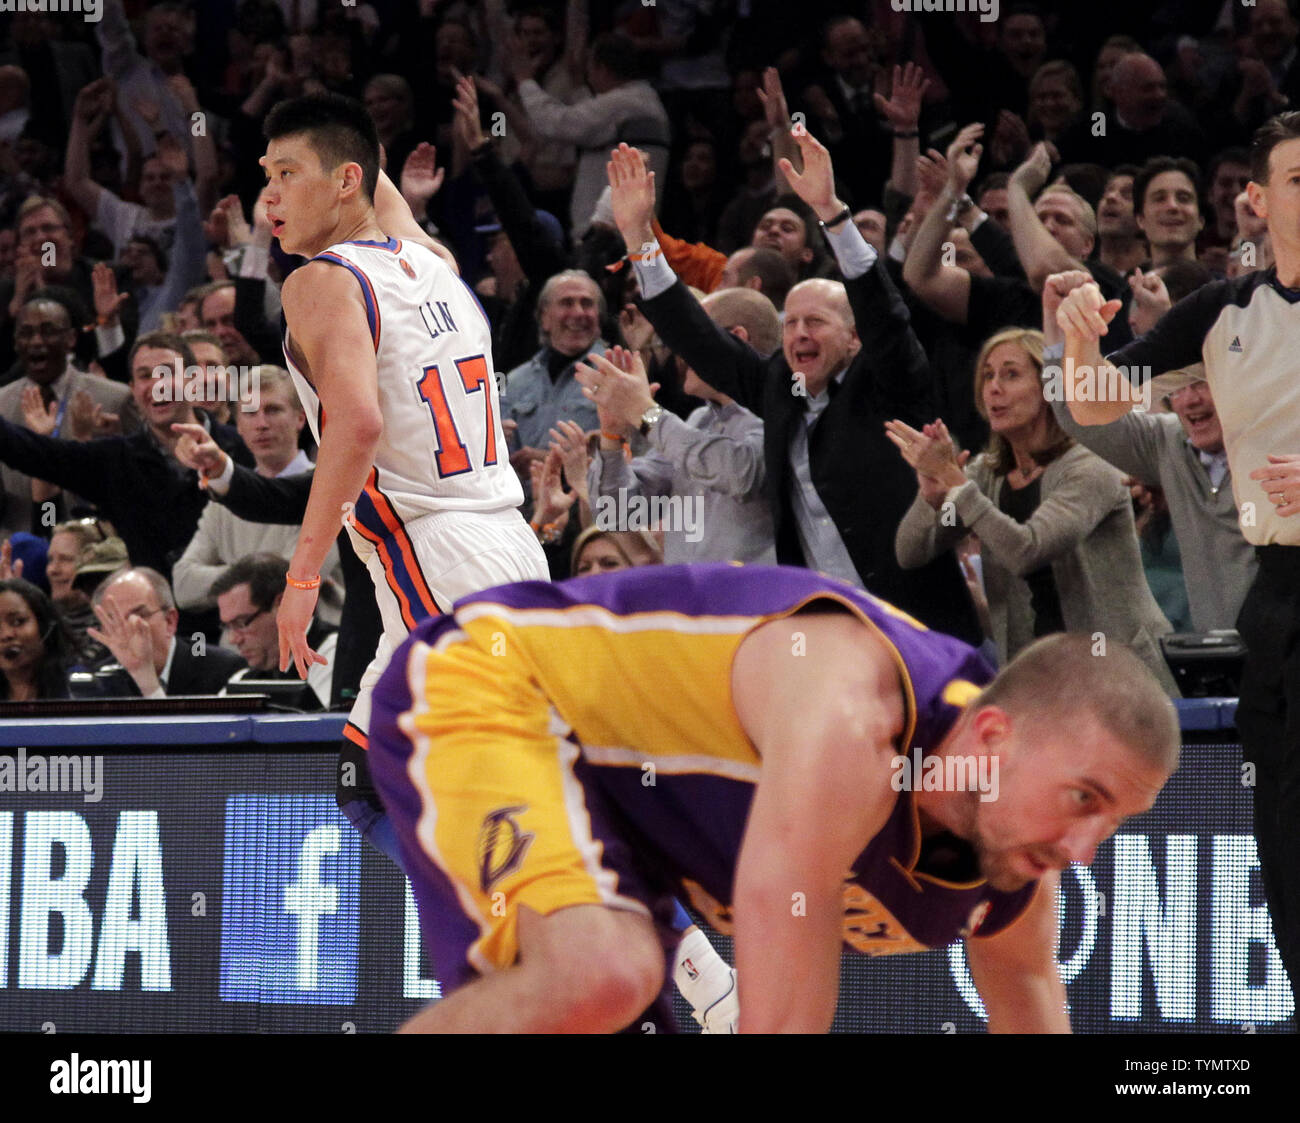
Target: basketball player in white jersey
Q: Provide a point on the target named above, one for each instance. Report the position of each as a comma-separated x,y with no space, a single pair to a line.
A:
391,355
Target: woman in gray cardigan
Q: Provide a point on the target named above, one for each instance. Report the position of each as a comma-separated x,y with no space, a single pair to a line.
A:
1055,523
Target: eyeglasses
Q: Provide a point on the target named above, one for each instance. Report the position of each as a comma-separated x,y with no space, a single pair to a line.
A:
241,623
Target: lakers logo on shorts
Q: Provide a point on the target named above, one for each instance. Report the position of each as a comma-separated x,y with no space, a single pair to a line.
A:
501,845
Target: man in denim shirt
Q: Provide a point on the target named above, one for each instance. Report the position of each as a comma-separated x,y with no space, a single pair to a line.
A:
542,392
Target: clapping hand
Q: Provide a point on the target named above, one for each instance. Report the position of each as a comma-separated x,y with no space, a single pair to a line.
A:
571,440
933,454
551,501
616,382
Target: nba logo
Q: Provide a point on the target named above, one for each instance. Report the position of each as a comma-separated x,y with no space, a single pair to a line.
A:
406,267
692,972
289,916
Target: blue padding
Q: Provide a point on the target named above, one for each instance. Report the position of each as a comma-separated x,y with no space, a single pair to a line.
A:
220,729
1199,714
287,728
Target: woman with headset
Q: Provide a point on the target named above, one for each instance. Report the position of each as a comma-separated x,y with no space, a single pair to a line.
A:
33,644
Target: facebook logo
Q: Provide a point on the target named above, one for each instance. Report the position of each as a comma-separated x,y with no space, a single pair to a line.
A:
289,917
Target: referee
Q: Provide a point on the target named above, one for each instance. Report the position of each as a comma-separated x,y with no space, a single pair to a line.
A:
1245,331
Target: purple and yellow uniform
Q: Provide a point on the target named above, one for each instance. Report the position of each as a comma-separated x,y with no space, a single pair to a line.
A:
551,745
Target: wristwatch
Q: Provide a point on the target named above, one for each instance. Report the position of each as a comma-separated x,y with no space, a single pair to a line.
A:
650,418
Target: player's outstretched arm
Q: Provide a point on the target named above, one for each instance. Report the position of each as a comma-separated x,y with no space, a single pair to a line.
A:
1016,971
821,702
396,220
329,331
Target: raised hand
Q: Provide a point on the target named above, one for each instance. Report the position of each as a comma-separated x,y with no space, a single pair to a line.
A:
38,417
9,569
1037,166
815,185
240,232
1151,300
1055,289
94,103
632,196
772,95
421,177
902,109
1010,138
108,301
932,178
1085,315
964,157
466,125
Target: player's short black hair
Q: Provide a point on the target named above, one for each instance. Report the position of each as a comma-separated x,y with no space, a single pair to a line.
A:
1158,165
1274,131
264,575
338,129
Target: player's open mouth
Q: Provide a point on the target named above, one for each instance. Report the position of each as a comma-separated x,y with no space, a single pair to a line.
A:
805,355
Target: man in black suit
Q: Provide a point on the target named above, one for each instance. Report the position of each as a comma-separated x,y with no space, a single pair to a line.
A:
849,360
842,105
137,623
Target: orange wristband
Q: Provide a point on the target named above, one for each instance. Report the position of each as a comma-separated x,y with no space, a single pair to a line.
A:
310,583
613,437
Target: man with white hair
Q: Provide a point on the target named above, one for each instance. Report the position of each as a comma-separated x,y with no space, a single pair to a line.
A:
542,392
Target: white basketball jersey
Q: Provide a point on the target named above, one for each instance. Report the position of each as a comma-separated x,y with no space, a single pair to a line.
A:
442,447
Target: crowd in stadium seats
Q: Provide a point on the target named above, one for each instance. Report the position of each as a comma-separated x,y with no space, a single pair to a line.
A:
699,365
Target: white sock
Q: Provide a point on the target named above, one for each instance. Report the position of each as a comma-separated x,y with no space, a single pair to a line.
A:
701,974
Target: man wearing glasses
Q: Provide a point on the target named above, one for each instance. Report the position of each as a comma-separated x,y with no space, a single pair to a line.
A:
137,623
248,595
